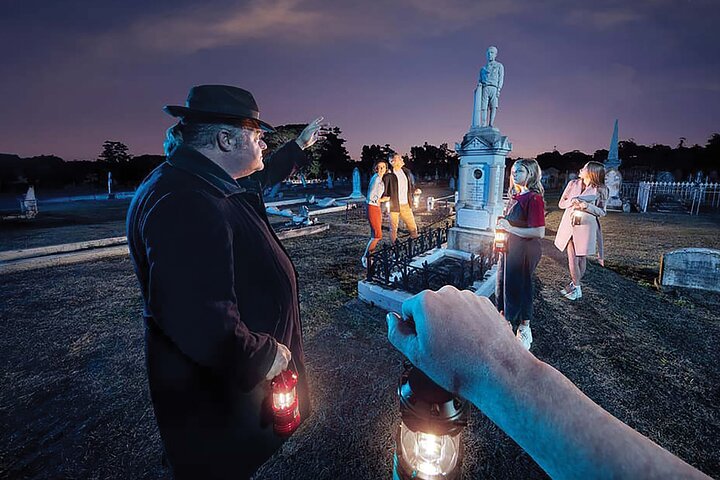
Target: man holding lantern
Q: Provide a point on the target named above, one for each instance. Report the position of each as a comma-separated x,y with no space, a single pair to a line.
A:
219,290
463,344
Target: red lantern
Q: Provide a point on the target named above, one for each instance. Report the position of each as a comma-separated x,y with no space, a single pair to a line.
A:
286,411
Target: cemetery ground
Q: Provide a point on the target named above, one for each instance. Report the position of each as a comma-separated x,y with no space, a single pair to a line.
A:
74,401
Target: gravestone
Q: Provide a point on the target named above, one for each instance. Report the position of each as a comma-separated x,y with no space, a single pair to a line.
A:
275,190
691,268
613,177
356,193
111,195
665,177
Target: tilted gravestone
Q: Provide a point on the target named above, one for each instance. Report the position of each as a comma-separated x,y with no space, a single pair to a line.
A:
691,268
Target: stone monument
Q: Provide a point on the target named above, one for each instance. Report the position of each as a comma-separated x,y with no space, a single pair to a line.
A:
111,195
482,166
356,193
613,177
478,203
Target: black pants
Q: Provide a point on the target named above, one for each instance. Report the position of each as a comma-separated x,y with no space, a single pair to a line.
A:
514,288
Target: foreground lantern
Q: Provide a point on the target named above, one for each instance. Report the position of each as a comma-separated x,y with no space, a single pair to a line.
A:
286,411
501,237
427,443
577,218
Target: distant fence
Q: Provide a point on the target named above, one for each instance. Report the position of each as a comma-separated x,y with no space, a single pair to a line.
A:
629,190
691,194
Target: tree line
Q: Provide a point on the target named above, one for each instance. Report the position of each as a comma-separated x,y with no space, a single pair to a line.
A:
52,172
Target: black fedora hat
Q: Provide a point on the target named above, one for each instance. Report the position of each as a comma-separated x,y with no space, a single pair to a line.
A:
219,103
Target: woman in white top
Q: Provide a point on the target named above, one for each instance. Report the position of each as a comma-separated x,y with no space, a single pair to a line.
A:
375,196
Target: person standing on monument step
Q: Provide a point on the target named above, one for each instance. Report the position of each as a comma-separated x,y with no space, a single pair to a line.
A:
579,233
524,221
220,293
400,186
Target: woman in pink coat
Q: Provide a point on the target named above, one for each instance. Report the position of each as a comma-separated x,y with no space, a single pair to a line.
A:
584,202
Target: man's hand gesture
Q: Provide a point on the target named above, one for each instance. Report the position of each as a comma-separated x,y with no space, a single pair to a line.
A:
314,132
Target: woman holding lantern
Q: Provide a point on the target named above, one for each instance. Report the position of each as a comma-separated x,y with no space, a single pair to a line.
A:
579,232
524,221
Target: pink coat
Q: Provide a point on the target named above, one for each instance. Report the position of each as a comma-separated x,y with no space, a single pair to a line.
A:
586,235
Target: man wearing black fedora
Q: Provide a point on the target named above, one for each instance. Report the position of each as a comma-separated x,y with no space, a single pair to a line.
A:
220,292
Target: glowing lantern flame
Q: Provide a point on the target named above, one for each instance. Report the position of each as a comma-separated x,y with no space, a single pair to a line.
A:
286,410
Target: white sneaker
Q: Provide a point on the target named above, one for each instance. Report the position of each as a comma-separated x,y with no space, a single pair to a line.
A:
575,294
524,335
565,291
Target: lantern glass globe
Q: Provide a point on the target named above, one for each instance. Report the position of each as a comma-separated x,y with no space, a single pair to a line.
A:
283,400
429,455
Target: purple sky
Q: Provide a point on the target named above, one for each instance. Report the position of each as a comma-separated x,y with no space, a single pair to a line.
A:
78,72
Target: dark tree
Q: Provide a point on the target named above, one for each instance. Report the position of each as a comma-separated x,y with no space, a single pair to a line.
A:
332,154
373,153
115,153
429,159
329,155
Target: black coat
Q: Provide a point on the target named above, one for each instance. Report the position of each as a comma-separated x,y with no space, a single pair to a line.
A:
391,188
219,290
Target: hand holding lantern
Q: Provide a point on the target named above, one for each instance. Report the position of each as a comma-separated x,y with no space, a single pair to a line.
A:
427,443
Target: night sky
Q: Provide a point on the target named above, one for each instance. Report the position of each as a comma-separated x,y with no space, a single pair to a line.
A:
78,72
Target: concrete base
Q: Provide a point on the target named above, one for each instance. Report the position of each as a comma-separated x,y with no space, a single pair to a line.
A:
470,240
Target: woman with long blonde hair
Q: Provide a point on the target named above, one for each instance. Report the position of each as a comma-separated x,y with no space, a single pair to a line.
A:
579,233
524,221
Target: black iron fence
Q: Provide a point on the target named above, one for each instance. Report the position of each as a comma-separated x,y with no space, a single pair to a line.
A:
391,266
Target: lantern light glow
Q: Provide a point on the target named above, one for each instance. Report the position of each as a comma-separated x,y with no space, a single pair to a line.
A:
577,218
286,411
501,237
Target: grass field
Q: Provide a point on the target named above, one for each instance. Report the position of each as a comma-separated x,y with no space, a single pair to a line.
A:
74,402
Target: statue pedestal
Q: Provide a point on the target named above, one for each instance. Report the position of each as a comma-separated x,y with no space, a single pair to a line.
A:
480,187
470,240
613,181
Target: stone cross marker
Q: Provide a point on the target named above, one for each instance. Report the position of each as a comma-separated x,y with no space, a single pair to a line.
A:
691,268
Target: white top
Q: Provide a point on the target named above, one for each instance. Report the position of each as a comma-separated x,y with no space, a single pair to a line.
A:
375,190
402,187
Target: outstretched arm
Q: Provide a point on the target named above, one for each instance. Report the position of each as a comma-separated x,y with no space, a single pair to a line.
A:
463,344
289,158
